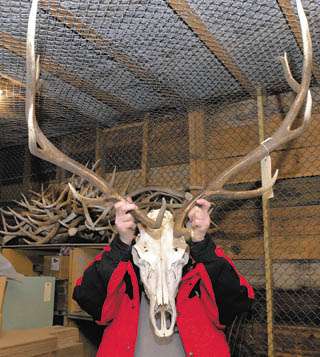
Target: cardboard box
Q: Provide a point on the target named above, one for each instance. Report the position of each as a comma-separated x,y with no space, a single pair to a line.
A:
72,350
22,343
57,266
54,341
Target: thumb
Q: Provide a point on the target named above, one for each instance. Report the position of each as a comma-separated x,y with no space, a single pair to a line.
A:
204,204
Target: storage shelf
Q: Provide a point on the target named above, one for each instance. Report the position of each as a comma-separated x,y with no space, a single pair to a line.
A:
54,246
79,317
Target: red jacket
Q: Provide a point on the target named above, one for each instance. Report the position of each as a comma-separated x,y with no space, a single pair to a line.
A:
210,295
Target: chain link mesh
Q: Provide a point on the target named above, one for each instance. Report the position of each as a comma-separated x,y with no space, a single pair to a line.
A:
138,85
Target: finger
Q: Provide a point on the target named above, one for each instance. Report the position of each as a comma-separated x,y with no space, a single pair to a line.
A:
197,222
194,212
119,206
204,204
126,218
122,207
130,206
129,225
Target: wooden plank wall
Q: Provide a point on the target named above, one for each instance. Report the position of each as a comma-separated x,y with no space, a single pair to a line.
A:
295,210
179,149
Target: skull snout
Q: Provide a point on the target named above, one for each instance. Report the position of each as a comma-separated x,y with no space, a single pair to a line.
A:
162,288
163,317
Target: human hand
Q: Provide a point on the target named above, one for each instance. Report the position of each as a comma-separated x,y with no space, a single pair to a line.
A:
199,219
125,223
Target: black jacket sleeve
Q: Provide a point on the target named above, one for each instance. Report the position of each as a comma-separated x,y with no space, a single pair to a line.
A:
91,292
231,297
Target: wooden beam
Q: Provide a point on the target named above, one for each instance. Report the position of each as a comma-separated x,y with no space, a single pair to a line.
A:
69,19
27,169
293,22
99,151
266,232
18,47
123,126
61,173
189,16
6,83
197,148
144,156
12,80
49,99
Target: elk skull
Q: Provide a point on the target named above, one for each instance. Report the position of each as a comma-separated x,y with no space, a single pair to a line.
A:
160,259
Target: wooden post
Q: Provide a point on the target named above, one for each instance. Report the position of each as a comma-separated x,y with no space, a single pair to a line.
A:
60,172
27,170
266,237
196,148
99,151
144,156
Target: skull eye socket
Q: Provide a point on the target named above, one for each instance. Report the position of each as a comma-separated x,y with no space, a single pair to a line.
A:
146,268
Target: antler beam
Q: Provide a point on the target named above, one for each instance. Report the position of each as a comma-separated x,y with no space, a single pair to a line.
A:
282,135
41,147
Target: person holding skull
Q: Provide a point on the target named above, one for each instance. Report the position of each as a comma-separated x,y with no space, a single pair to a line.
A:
193,293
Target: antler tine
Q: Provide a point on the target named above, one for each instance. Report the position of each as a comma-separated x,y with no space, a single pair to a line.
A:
284,133
41,147
281,136
113,177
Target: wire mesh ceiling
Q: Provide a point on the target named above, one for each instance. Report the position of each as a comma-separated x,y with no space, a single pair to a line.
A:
109,61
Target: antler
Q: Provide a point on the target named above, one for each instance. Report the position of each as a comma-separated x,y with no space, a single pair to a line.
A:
41,147
282,135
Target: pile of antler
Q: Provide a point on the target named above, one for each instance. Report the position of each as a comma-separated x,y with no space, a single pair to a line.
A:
54,215
65,212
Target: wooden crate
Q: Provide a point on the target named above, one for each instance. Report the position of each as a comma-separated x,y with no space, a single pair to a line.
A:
20,261
79,260
57,266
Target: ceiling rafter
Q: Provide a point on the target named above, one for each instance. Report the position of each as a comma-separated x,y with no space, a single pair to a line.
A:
73,22
4,78
293,22
189,16
18,47
6,83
